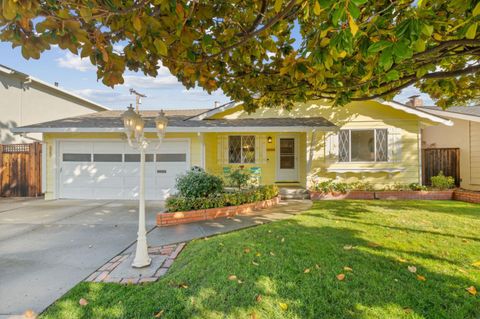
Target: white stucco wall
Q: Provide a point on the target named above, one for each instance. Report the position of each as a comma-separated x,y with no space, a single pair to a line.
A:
28,103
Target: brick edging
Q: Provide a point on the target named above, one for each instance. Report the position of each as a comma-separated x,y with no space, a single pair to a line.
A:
168,219
467,196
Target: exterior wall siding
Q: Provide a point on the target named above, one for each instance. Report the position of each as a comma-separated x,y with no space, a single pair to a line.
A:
464,135
24,104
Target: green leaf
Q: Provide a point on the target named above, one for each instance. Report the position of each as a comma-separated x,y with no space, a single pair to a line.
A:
338,15
161,47
419,45
137,23
379,46
392,75
358,2
386,58
354,10
476,10
402,50
471,31
427,29
278,5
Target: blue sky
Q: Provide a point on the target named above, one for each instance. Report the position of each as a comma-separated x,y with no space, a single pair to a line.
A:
79,76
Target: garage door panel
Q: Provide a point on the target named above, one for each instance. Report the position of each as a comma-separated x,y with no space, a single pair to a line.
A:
115,173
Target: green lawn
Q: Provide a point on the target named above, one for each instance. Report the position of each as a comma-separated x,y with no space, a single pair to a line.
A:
378,240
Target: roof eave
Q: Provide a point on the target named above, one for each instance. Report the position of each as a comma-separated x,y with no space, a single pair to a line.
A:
173,129
467,117
413,111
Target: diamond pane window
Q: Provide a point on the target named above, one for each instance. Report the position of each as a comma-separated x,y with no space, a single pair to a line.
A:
241,149
363,145
381,145
344,146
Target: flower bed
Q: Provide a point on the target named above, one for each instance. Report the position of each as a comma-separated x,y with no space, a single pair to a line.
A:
388,195
184,217
314,195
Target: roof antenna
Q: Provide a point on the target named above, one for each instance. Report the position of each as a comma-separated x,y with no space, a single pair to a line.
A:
138,99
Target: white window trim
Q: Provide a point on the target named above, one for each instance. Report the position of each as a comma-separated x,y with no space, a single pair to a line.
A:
241,149
374,146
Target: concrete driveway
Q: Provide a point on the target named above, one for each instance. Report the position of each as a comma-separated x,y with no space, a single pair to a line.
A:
46,247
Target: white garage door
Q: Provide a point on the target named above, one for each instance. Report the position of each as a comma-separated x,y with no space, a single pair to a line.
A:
110,170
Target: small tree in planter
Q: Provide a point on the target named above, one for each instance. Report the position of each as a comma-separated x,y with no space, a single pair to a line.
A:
240,178
442,182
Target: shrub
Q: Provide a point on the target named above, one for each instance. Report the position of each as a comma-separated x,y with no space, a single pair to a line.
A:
443,182
194,184
181,203
239,178
331,186
417,187
361,186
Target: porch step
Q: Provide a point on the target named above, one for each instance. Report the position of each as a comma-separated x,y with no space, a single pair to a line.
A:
293,193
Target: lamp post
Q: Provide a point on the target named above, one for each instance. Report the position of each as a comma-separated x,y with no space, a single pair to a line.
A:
134,129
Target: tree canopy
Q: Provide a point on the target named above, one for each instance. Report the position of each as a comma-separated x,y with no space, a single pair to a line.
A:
266,52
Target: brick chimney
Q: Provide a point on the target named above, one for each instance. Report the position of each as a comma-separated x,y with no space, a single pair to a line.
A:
415,101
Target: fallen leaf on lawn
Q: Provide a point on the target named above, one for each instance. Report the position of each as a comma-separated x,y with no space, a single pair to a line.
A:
306,271
254,263
246,250
283,239
159,314
269,231
253,315
183,285
30,314
463,271
283,306
346,268
402,260
232,277
205,238
221,244
258,298
412,269
317,266
83,302
408,310
341,277
421,278
471,290
465,241
239,281
476,264
372,244
258,254
272,253
347,247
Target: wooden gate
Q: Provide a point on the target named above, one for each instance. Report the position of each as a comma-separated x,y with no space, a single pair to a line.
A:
20,170
446,160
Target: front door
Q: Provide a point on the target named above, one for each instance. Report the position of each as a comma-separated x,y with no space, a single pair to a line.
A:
287,163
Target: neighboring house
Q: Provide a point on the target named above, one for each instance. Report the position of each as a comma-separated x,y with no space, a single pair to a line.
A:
372,141
25,100
464,134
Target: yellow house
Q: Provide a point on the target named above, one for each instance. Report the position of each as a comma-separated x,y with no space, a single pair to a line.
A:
374,141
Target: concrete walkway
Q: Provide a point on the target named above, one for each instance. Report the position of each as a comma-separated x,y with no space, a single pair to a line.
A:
180,233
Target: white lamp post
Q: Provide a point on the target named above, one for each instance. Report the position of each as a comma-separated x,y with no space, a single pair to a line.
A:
134,129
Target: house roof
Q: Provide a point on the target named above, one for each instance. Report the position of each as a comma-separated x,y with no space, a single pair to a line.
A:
28,79
179,121
471,113
393,104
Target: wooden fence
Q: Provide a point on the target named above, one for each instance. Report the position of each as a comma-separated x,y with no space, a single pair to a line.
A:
20,170
446,160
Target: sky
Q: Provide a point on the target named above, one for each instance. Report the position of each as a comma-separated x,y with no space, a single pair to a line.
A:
79,76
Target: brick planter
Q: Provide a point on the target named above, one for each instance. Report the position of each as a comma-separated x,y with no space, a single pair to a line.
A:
415,195
168,219
467,196
337,196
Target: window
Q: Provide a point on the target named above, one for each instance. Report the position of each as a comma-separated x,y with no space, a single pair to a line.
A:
241,149
136,158
73,157
363,145
180,157
107,157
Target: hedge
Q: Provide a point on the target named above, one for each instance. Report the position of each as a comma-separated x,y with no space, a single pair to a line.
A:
181,203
